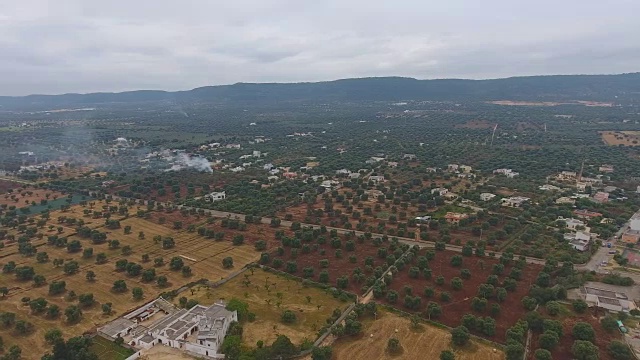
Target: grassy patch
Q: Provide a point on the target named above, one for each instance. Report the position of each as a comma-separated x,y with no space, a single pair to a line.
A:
108,350
268,305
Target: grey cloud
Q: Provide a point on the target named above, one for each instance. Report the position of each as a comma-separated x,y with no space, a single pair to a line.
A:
87,45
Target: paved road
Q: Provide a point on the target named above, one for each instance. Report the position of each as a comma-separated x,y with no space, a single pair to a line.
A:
591,265
603,252
287,224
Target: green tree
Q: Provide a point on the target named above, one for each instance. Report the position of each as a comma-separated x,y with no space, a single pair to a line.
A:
283,347
73,314
321,353
288,317
240,306
460,335
393,345
53,336
584,350
227,262
231,347
106,308
583,331
543,354
447,355
619,351
580,306
548,340
609,323
137,293
119,286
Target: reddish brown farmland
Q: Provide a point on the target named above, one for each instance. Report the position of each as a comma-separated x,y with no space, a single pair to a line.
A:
460,303
337,267
563,349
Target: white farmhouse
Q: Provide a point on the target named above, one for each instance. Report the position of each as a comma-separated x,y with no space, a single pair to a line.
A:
215,196
487,196
440,191
199,330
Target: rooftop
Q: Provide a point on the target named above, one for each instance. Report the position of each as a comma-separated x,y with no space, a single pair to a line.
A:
117,326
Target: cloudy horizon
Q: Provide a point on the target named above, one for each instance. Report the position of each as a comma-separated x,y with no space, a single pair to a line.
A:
76,46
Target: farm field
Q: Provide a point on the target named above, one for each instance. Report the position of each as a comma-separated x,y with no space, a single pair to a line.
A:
425,342
616,138
203,256
569,318
335,266
290,293
26,196
8,185
461,300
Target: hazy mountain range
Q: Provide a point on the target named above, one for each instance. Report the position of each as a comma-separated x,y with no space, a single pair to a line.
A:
623,88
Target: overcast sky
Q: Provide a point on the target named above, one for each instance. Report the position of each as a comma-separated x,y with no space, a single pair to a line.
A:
60,46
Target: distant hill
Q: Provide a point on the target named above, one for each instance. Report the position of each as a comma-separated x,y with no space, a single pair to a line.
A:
623,87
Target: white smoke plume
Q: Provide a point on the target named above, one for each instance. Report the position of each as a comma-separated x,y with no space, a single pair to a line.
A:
194,162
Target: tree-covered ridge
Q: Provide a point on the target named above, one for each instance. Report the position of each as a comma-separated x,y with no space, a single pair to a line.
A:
557,87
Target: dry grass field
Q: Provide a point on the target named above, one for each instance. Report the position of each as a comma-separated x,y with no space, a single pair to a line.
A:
204,256
424,343
288,292
616,138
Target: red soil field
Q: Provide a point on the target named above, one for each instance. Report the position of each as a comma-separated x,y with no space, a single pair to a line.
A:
563,349
175,215
7,185
460,304
337,267
252,234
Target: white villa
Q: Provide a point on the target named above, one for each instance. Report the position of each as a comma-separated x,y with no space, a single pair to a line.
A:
440,191
198,331
487,196
215,196
514,201
506,172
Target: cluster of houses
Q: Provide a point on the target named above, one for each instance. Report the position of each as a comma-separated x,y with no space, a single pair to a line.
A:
197,331
580,234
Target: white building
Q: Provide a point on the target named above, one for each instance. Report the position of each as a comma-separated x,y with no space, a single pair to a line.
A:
466,169
452,167
440,191
487,196
256,153
634,222
330,184
572,223
376,178
506,172
199,330
215,196
515,201
565,200
547,187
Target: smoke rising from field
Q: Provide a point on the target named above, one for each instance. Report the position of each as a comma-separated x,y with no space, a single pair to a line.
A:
194,162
